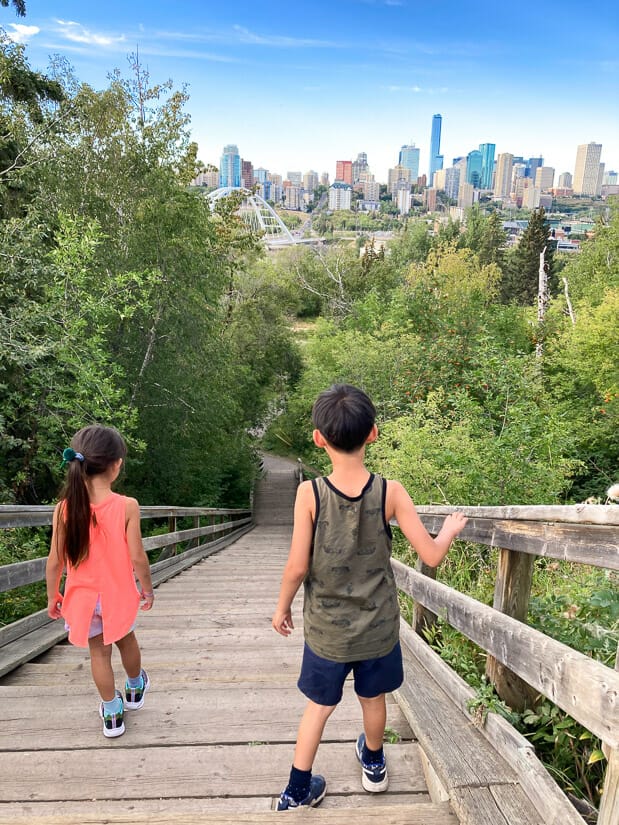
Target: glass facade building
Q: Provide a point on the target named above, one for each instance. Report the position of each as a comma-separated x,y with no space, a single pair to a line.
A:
487,164
409,158
436,159
230,166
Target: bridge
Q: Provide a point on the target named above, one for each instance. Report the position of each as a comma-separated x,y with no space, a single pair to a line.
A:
214,741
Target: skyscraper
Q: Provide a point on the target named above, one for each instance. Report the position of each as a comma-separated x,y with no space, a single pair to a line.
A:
343,171
533,165
474,168
409,158
436,159
487,164
503,184
587,169
230,166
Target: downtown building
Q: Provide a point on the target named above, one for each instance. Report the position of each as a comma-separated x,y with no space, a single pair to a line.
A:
588,171
230,166
340,196
436,159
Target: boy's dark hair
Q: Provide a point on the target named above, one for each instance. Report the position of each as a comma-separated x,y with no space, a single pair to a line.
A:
100,446
345,416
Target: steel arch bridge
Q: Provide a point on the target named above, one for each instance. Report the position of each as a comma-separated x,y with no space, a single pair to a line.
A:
257,215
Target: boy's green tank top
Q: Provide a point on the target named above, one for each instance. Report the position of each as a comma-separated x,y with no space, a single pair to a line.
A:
351,608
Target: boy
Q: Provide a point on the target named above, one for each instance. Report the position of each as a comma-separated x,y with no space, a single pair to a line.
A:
341,549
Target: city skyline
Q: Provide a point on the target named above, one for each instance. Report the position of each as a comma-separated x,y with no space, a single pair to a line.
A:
300,88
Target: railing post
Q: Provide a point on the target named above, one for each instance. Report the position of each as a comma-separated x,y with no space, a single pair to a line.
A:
170,550
196,524
423,619
609,805
511,596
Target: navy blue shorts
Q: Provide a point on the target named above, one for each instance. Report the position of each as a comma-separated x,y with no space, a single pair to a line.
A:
322,680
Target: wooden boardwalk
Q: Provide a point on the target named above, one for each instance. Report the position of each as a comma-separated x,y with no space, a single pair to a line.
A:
214,741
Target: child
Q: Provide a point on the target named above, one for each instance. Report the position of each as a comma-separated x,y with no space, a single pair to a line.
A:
96,536
341,549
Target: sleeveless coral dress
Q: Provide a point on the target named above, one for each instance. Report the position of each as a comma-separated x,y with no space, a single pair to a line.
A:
106,575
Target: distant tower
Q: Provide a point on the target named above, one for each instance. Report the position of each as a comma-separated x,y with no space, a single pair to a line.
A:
474,168
436,159
503,184
487,164
230,166
343,171
587,169
409,158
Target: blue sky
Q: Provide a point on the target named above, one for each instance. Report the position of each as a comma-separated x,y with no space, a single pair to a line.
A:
298,86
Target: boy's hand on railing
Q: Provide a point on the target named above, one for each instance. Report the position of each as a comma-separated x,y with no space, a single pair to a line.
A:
455,523
54,606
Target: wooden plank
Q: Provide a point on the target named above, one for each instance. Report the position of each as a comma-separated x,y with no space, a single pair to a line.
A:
170,772
13,631
539,786
569,513
15,515
578,543
584,688
27,647
419,814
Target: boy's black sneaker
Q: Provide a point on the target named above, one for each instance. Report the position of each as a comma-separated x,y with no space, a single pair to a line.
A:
317,791
373,774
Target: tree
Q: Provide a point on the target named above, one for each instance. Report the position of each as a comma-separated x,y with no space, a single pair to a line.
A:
520,278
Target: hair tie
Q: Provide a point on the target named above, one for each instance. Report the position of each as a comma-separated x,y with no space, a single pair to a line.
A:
68,455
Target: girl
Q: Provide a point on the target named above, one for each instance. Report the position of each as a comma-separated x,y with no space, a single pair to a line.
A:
96,536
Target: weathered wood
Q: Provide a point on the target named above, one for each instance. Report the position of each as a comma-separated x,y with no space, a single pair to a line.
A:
609,806
13,631
546,796
13,515
511,597
423,619
584,688
574,513
421,814
579,543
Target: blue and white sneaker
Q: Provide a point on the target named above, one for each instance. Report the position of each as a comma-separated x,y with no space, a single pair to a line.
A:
373,774
317,791
134,696
113,723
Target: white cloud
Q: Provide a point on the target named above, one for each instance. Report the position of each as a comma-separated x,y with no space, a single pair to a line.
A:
419,90
247,36
21,33
78,34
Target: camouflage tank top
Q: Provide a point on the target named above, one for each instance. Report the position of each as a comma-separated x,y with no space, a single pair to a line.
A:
350,611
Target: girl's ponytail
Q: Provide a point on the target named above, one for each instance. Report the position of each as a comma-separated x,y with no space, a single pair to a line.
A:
93,450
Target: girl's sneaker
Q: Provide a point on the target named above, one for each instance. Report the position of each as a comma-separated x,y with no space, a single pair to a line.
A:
113,723
134,696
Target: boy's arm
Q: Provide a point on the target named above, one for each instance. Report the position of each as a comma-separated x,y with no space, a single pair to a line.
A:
298,558
55,565
139,559
431,550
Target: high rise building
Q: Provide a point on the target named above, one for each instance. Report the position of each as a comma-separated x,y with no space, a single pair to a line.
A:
611,178
466,195
409,158
565,180
247,174
440,176
436,159
474,168
587,169
397,176
340,195
296,178
261,174
324,179
343,171
371,189
310,181
544,177
533,165
487,164
360,167
452,182
503,182
230,166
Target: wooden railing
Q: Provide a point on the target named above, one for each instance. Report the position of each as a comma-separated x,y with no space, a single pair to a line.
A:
523,662
212,529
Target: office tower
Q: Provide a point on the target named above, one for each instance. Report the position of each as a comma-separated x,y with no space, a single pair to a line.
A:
565,180
518,171
324,179
261,174
532,165
436,159
610,178
429,198
230,166
404,200
473,168
440,176
531,197
544,177
343,171
487,164
452,182
360,167
409,158
247,174
587,169
466,195
296,178
340,195
310,181
294,197
371,189
503,182
396,176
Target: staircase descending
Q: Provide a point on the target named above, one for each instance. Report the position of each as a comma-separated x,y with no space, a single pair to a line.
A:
275,491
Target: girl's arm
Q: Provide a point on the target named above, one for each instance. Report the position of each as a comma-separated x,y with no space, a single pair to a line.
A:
432,551
139,559
55,565
298,558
